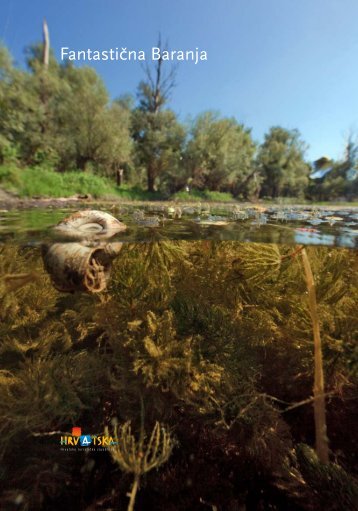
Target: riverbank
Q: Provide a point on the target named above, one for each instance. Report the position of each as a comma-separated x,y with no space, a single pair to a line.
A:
9,202
42,187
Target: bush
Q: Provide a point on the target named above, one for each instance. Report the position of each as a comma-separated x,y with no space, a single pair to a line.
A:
10,177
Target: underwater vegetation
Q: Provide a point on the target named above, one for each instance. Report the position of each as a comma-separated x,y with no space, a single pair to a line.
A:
200,360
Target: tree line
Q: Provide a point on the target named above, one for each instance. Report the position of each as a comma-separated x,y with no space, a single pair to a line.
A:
62,117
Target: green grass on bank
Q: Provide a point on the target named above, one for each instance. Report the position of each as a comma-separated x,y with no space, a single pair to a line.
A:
38,181
128,192
203,195
43,182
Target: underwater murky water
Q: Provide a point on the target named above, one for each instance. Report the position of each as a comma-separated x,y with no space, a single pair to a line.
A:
170,365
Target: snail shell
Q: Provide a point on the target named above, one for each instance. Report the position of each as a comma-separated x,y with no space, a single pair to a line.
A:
90,224
77,267
83,264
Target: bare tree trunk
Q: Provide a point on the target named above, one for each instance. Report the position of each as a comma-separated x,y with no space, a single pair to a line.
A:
160,83
119,177
318,388
43,77
151,177
46,50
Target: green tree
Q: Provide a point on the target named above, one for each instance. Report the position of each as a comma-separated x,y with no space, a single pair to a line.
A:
158,135
282,165
8,118
341,178
45,90
21,115
220,154
61,115
90,129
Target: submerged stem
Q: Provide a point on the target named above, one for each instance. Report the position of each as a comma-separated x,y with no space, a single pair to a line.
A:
318,388
133,493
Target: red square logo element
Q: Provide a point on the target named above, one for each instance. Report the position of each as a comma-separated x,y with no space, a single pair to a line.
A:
76,431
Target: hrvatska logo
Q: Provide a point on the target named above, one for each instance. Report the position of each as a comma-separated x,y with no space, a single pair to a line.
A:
76,439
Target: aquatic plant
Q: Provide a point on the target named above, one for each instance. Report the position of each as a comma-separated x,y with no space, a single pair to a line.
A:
139,456
318,389
336,489
216,337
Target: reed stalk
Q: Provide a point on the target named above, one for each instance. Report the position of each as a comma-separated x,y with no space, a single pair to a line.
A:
319,403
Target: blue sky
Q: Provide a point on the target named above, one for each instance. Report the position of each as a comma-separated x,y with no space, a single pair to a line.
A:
270,62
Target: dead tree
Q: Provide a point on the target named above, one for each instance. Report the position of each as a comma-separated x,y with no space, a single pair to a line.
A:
46,41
